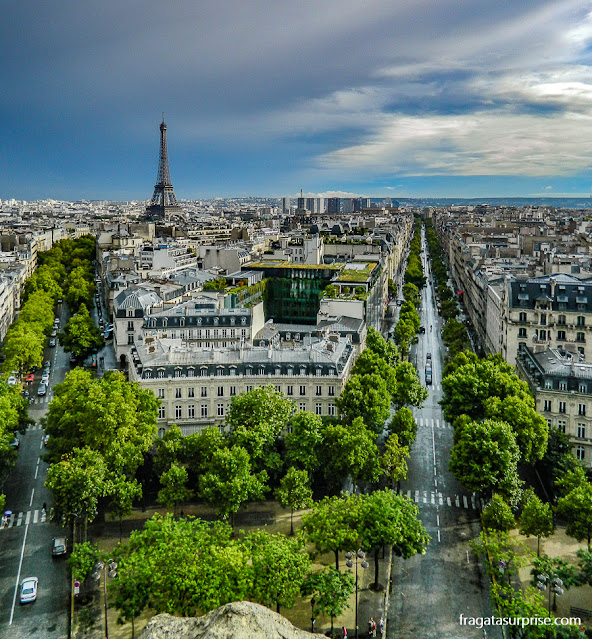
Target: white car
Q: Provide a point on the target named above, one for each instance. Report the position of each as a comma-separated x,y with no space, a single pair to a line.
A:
45,378
11,381
29,589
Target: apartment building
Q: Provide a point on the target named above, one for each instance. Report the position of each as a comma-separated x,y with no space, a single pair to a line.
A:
562,387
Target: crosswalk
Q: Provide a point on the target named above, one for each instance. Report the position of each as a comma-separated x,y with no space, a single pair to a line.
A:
35,427
433,423
435,498
25,518
45,399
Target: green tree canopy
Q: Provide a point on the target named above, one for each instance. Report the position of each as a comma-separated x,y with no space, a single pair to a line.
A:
394,460
174,487
576,509
331,590
303,441
376,343
368,397
80,336
109,415
294,492
536,519
497,515
409,390
403,424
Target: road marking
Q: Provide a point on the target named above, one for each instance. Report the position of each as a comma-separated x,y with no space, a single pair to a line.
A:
19,521
35,516
32,493
408,494
425,497
36,472
448,501
465,502
433,498
18,576
473,501
440,499
437,520
417,496
468,557
439,535
28,518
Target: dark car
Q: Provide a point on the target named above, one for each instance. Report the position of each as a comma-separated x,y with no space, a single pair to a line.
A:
422,329
58,546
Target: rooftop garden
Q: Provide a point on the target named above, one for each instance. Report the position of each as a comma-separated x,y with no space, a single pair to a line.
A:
357,275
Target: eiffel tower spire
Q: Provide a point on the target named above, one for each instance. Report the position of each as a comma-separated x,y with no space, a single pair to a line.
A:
163,202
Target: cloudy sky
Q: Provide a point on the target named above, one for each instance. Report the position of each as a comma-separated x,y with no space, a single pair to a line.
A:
466,98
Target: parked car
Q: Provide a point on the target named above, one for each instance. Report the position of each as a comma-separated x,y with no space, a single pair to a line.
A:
422,329
47,363
42,390
52,342
58,546
45,378
45,440
428,355
54,333
30,377
16,442
11,381
29,589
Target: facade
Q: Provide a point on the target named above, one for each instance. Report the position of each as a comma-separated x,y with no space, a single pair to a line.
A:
562,388
547,311
196,385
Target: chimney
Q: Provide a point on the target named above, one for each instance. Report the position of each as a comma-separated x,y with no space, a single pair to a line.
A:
553,283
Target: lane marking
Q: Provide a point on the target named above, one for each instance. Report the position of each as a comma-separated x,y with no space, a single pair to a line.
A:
18,575
31,500
36,472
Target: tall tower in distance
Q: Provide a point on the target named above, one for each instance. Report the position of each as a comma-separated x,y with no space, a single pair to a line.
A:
163,202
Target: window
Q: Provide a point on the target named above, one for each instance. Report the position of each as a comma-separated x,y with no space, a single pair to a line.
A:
249,389
130,326
220,391
581,409
522,332
580,453
161,393
582,388
561,335
331,391
178,372
543,319
177,393
581,431
204,391
289,391
319,391
331,410
191,411
178,411
160,374
190,372
204,410
561,320
561,424
130,338
563,386
220,410
302,406
290,371
522,317
161,412
542,334
204,372
580,337
319,372
303,390
232,391
562,407
547,407
581,321
278,388
318,409
191,392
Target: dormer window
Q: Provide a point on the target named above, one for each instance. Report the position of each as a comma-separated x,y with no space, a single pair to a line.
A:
232,320
243,320
182,322
164,322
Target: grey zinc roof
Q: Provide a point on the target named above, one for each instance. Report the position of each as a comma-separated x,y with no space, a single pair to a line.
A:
136,298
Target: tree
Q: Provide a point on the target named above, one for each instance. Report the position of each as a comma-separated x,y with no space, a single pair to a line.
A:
485,457
365,396
409,390
109,415
174,487
394,460
386,518
132,592
23,347
199,448
230,482
123,492
349,450
576,509
536,519
81,336
575,478
411,293
403,424
554,568
404,334
279,567
497,515
332,525
331,590
376,343
370,363
77,482
294,493
531,429
169,449
82,560
38,310
303,440
256,419
585,564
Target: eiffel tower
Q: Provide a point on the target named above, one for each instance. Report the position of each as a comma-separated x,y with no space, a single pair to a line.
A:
163,203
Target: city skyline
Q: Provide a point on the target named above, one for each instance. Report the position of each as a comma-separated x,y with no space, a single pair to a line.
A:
380,99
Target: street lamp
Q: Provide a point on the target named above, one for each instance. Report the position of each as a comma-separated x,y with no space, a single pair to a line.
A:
312,615
555,586
351,556
100,566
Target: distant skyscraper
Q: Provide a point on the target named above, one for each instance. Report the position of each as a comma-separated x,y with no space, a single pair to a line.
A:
163,202
286,206
311,204
301,203
347,205
333,205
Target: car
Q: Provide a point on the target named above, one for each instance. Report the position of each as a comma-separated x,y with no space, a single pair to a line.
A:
54,333
58,546
422,329
29,589
11,381
57,321
42,390
428,355
25,394
45,378
30,377
52,342
45,440
16,442
47,363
